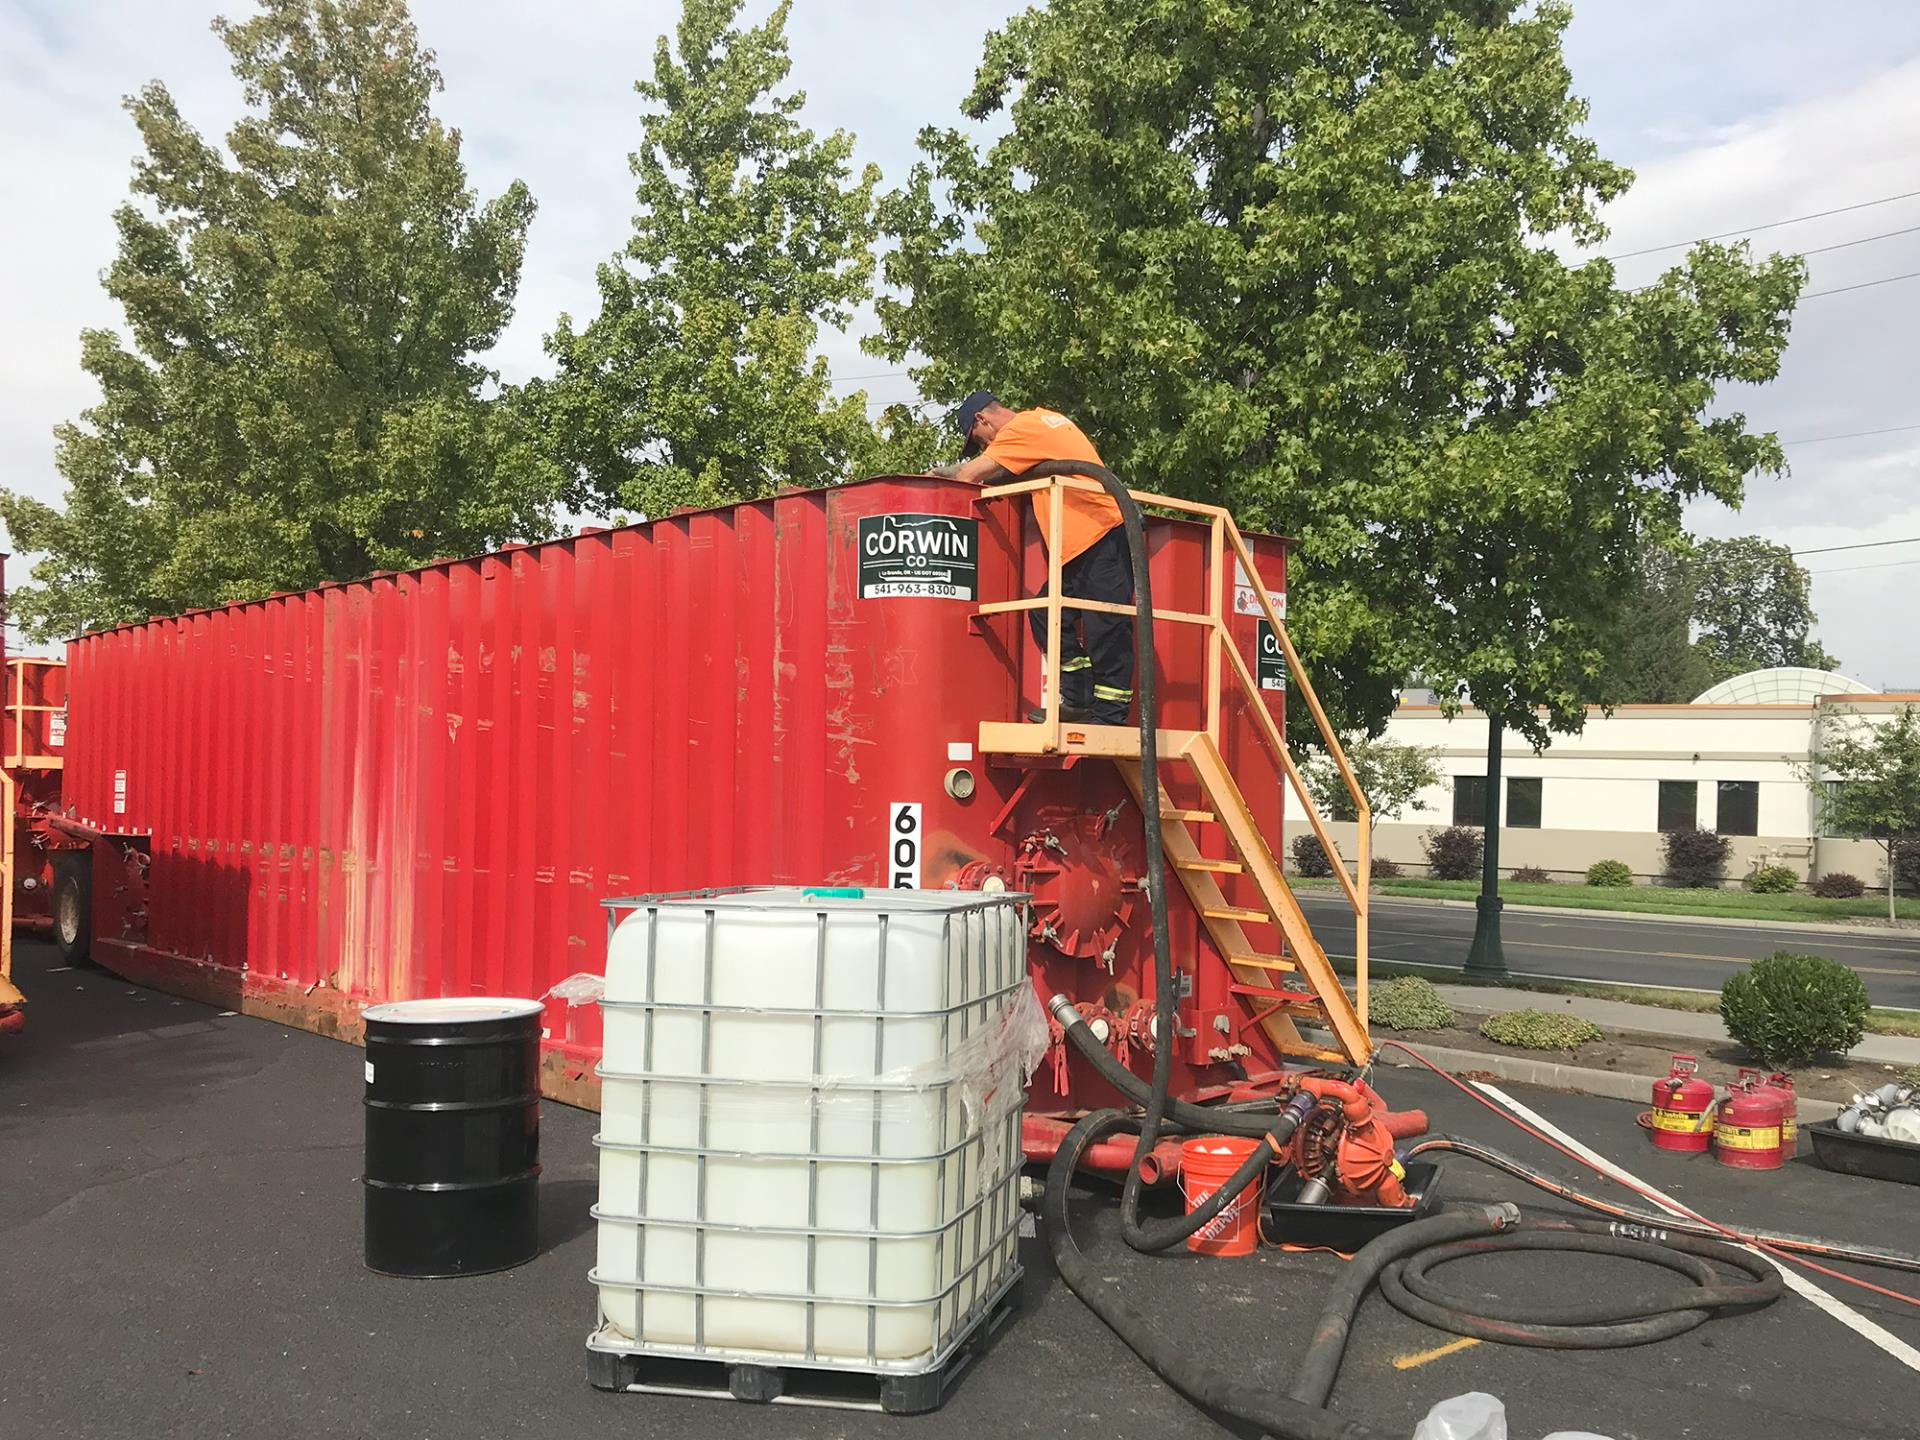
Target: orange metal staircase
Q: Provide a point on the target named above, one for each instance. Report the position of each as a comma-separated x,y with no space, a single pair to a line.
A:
1259,978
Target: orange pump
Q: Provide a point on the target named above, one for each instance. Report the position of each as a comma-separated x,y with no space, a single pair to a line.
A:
1344,1143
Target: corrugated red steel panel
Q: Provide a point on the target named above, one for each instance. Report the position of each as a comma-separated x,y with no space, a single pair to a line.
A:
424,784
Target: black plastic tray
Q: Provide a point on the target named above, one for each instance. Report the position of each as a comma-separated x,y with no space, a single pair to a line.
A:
1343,1227
1866,1155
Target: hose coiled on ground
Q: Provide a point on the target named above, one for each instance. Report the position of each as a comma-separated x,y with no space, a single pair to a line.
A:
1400,1259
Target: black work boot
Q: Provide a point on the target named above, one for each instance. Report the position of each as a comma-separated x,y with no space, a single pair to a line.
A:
1070,714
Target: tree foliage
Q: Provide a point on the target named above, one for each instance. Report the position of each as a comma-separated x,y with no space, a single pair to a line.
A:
1704,611
301,399
1290,258
1753,604
696,383
1866,778
1651,658
1391,775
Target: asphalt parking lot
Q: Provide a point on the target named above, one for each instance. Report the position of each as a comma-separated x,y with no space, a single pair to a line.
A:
181,1223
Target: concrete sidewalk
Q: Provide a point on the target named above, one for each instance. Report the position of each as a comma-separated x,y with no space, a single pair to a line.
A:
1683,1027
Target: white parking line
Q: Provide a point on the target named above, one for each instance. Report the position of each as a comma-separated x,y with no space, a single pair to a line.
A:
1795,1281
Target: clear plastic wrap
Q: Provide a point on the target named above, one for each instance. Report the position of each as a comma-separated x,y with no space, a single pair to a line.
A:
581,988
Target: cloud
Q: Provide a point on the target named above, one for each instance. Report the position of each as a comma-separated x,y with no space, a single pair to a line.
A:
1848,366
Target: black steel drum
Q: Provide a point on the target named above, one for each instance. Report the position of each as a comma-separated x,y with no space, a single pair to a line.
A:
453,1135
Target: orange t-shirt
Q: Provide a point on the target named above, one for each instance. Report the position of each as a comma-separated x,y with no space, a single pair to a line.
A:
1036,435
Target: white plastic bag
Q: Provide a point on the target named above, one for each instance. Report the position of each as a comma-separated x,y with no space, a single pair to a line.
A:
1479,1416
1473,1416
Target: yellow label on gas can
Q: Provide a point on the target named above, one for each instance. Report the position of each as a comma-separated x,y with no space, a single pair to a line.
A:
1747,1137
1683,1121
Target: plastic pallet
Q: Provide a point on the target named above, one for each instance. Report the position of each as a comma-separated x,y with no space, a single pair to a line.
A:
833,1389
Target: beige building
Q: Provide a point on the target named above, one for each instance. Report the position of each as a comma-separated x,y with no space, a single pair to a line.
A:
1736,760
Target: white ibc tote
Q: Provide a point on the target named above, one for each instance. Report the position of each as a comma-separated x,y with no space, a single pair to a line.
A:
810,1124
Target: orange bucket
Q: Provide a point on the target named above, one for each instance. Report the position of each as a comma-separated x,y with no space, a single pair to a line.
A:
1205,1165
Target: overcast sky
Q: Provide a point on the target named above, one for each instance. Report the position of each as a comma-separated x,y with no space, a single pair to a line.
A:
1732,114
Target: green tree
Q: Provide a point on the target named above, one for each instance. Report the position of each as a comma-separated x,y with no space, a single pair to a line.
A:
696,383
1391,775
1753,605
1706,611
1289,258
1651,659
1866,778
301,400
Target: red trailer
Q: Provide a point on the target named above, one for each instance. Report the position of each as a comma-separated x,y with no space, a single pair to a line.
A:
425,784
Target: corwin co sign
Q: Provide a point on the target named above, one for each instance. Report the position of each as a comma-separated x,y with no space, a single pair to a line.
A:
934,557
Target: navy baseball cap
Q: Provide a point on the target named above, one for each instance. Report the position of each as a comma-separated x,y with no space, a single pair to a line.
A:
968,412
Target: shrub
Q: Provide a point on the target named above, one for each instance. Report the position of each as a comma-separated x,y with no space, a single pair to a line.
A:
1408,1003
1609,874
1454,853
1310,857
1531,875
1771,880
1697,859
1538,1030
1838,886
1384,869
1906,865
1789,1009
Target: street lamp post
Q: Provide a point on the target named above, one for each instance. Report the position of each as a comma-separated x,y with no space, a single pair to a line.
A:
1486,959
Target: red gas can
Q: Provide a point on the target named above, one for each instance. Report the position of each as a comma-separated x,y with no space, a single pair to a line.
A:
1746,1127
1682,1108
1781,1084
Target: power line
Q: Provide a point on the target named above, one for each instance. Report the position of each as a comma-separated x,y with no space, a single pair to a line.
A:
1850,435
1770,225
1861,545
1863,240
1863,285
1848,569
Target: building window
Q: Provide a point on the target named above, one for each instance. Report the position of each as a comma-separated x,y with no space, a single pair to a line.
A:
1523,802
1739,807
1470,800
1679,805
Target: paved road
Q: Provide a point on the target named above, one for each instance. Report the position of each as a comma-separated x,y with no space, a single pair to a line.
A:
181,1224
1630,949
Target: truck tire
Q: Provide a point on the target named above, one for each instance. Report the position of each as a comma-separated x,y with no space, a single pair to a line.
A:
73,908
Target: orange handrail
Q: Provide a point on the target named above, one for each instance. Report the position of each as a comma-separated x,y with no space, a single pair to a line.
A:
1225,532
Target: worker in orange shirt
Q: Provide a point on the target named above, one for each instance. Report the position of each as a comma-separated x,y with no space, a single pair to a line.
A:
1096,649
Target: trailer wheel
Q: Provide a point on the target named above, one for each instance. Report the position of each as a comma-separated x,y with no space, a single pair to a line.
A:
73,909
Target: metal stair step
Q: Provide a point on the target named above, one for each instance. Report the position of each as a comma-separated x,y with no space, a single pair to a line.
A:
1211,867
1234,912
1263,962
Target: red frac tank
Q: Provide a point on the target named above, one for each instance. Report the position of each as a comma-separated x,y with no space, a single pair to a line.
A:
424,784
